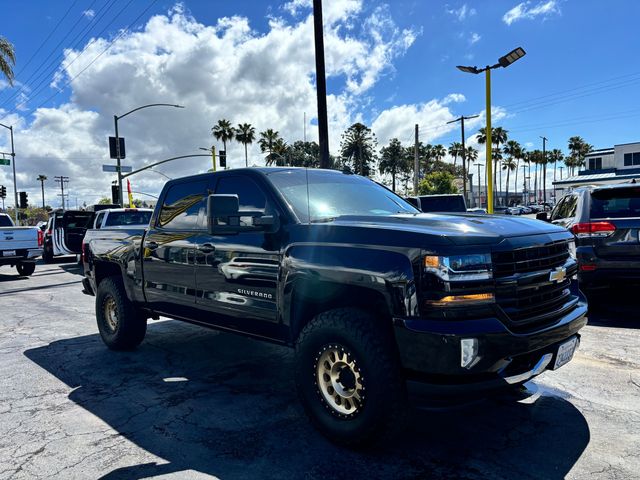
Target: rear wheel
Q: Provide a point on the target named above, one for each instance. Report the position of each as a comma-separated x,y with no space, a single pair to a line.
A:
121,326
26,269
348,377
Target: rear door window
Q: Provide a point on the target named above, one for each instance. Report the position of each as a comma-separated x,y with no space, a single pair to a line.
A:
616,203
132,217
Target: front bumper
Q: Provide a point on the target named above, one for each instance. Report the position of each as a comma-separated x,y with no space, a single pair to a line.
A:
430,352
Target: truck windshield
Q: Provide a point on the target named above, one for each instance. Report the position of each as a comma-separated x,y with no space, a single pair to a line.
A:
615,203
128,218
5,221
334,194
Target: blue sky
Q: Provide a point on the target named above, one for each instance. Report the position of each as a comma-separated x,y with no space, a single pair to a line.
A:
579,77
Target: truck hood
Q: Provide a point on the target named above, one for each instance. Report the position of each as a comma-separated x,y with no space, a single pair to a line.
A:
459,229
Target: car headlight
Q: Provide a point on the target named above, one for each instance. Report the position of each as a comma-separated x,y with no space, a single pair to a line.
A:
459,267
572,248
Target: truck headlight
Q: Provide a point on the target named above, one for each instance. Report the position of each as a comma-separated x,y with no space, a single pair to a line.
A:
459,267
572,248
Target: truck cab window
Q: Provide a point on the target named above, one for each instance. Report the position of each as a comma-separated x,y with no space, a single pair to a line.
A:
250,195
182,206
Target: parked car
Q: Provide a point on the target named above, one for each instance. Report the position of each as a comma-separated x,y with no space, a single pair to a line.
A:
19,246
606,223
64,233
374,296
477,210
439,203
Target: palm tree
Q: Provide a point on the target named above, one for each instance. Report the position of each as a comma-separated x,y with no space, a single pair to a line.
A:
513,151
279,154
455,150
245,134
7,59
555,156
579,149
438,152
268,138
223,131
358,146
521,155
393,161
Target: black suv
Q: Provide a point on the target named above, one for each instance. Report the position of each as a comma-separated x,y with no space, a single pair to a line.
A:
606,223
439,203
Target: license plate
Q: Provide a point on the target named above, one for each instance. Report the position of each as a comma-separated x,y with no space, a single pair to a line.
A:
9,253
565,352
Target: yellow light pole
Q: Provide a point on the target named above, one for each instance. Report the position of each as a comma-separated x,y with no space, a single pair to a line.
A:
213,155
503,62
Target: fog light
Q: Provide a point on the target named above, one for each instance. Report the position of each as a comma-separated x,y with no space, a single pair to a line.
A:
468,352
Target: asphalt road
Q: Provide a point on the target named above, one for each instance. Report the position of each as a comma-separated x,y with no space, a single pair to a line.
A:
194,403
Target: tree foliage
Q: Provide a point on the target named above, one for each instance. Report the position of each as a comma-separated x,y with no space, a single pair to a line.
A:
437,183
358,149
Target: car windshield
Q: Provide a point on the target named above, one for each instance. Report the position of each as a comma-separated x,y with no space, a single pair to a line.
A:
615,203
333,194
128,218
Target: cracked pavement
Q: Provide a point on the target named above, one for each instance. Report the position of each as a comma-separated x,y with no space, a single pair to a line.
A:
195,403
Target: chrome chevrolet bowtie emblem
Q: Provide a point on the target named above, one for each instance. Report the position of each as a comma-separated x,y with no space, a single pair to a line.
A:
558,275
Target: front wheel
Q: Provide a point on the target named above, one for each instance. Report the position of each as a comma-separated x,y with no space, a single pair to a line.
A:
348,377
120,324
26,269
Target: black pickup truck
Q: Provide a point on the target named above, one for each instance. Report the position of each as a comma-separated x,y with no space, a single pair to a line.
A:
375,296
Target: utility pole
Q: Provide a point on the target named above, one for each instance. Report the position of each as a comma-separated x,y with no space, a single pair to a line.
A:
41,179
544,169
13,165
524,185
416,163
479,204
461,119
62,180
321,85
561,169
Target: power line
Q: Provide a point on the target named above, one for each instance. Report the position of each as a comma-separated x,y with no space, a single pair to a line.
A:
34,76
43,77
67,83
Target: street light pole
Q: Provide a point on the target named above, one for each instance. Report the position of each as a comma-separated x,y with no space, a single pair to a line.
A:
13,165
503,62
118,158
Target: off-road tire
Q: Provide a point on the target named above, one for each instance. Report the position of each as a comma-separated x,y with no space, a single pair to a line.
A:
359,334
129,328
26,269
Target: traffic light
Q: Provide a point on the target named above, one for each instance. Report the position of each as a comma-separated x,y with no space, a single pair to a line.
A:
3,191
222,155
24,200
115,194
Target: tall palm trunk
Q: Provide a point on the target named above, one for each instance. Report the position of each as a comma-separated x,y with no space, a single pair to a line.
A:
246,157
515,184
507,188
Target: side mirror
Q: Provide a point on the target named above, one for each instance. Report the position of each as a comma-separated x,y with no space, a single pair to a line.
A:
224,217
544,216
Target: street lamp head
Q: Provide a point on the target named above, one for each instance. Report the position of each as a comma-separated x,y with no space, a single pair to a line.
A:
511,57
179,106
205,149
465,69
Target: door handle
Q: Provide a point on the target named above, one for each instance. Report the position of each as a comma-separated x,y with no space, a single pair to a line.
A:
206,248
151,245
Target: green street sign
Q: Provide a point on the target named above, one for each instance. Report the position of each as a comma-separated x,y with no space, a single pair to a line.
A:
5,161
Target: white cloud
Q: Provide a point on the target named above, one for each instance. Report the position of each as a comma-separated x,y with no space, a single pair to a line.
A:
475,38
461,13
89,13
524,10
226,70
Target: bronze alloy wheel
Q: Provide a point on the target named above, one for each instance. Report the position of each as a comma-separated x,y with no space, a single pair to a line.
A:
111,313
340,380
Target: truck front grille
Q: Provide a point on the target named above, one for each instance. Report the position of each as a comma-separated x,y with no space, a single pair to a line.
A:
530,259
525,292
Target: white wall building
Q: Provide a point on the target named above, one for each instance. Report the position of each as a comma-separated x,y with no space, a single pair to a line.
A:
607,166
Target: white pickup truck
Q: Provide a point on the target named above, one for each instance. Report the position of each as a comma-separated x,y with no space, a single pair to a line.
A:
19,246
